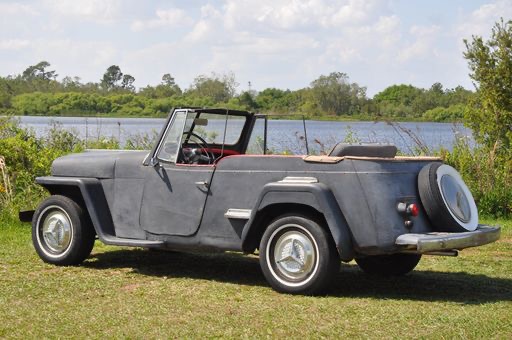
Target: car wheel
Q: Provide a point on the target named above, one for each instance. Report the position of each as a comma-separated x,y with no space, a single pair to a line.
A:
447,199
61,232
388,265
298,256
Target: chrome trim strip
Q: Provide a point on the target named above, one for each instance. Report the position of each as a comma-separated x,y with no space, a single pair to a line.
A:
238,214
299,180
434,242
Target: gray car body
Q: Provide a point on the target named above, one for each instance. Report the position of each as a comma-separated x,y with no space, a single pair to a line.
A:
133,201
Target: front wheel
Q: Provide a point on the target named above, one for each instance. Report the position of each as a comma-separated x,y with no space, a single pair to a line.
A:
298,256
61,232
388,265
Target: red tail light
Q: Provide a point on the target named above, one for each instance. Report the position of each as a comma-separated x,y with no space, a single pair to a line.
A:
412,209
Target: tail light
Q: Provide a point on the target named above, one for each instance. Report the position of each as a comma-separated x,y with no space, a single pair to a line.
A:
408,210
412,209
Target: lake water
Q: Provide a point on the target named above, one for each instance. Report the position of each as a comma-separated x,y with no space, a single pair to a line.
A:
281,132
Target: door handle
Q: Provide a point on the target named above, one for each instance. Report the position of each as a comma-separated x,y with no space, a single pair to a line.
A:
202,184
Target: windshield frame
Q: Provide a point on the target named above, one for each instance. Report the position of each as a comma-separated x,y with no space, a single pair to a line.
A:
238,147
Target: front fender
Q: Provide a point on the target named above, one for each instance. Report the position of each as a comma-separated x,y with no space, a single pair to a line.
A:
317,196
93,196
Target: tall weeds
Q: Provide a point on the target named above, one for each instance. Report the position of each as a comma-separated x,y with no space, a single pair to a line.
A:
488,175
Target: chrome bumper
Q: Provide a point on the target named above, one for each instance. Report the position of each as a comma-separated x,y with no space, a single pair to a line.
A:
439,242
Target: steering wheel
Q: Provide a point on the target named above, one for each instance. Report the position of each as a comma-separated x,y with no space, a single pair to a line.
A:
198,155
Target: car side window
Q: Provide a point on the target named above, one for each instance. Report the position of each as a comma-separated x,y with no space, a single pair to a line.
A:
168,150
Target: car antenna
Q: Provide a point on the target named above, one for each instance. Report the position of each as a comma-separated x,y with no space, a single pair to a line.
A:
305,134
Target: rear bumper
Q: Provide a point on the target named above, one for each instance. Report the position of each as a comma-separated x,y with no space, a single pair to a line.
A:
439,242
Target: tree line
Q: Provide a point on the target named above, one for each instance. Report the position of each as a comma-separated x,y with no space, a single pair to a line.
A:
36,91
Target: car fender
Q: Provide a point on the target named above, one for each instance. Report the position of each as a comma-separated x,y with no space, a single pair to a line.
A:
92,195
315,195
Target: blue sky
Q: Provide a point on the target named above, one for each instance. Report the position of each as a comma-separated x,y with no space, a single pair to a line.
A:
271,43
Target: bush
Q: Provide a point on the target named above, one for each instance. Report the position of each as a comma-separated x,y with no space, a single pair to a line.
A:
488,176
27,156
444,114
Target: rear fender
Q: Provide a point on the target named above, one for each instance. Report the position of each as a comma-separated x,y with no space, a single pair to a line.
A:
91,195
315,195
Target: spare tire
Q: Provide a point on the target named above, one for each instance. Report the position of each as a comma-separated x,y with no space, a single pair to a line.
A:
447,199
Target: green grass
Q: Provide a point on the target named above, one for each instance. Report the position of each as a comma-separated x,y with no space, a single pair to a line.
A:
123,292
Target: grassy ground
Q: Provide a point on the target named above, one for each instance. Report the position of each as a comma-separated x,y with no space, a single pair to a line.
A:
122,292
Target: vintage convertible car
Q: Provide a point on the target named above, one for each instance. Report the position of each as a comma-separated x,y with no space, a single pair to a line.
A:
210,184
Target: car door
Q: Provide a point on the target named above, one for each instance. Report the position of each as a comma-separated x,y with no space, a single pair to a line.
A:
174,194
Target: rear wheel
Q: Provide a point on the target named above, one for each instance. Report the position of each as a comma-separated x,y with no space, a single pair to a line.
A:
388,265
298,256
61,232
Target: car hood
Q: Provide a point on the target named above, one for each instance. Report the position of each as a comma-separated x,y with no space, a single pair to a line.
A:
96,163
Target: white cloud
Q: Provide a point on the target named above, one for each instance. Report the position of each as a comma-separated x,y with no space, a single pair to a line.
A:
209,25
95,10
354,12
200,31
296,14
164,18
480,21
424,44
13,8
363,43
13,44
387,29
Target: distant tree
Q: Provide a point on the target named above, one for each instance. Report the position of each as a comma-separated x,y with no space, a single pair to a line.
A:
166,89
246,100
220,88
437,88
5,95
71,83
336,95
271,99
39,71
127,83
168,80
399,94
111,78
490,112
409,101
458,95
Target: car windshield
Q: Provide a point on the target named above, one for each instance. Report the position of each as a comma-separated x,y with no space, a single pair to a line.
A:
190,129
211,127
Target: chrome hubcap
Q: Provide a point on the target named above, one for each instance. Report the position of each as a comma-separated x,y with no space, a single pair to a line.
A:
455,198
56,231
294,255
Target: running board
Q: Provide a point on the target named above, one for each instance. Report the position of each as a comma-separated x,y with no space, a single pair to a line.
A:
117,241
